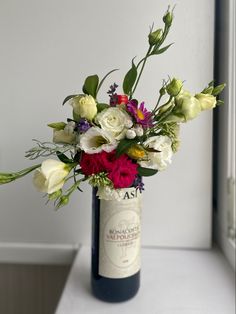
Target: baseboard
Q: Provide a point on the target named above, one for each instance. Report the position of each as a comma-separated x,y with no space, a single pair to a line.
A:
37,253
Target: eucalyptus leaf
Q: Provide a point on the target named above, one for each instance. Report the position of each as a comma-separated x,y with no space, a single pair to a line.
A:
90,85
146,172
130,79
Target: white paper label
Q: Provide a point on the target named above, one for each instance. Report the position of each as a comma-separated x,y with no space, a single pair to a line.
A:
119,243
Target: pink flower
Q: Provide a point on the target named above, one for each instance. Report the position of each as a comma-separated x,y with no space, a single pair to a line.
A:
140,113
90,164
123,173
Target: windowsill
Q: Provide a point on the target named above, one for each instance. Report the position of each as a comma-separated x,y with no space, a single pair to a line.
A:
172,282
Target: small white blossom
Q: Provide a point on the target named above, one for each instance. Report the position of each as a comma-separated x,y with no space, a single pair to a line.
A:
130,134
139,130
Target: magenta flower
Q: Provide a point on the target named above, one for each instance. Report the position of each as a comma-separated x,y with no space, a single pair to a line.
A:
140,113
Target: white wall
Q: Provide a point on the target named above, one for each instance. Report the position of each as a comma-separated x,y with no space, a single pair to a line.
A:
47,49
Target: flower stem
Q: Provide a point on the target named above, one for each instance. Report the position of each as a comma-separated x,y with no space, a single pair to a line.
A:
144,60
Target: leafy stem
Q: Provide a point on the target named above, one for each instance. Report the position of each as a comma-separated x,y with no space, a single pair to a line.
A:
144,60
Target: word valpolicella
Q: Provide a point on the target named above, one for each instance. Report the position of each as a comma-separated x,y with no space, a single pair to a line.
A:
115,271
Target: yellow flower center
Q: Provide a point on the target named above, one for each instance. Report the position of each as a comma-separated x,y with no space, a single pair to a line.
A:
140,114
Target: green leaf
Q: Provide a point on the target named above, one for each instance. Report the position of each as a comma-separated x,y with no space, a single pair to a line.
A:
103,79
159,51
102,106
91,85
62,157
219,102
146,172
75,116
68,98
57,125
124,145
9,177
130,79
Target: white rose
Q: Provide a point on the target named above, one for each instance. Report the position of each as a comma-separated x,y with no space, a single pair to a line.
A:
207,101
50,177
115,121
84,106
158,160
96,140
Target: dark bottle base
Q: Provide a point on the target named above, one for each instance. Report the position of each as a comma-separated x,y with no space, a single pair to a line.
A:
115,290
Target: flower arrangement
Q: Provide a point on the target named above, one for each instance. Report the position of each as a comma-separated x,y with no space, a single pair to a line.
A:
114,144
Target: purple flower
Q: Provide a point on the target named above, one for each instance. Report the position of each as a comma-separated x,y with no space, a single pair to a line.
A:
140,113
83,125
113,95
138,184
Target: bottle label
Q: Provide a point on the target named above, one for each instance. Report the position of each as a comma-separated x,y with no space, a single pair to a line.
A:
119,241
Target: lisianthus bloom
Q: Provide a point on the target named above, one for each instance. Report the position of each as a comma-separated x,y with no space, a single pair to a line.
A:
161,159
95,140
207,101
51,176
140,113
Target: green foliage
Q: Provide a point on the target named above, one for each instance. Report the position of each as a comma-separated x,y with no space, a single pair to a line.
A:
102,106
103,79
124,145
90,85
62,157
130,79
158,51
57,125
68,98
146,172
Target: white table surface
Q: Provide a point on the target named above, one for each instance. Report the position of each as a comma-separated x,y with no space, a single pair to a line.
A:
172,282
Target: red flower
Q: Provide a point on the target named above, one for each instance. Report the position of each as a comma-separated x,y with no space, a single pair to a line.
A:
90,164
123,173
122,99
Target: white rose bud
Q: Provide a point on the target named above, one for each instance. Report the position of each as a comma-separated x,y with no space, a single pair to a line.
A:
207,101
130,134
50,177
139,130
84,106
